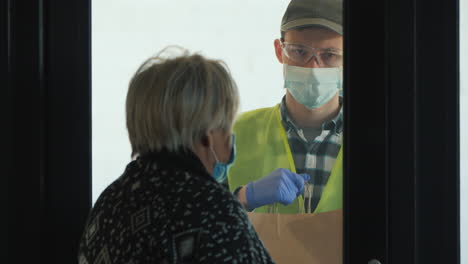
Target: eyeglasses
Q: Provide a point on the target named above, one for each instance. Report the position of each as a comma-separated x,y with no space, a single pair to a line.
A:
302,54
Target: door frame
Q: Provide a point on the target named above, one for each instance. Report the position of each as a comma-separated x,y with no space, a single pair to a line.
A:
401,147
401,158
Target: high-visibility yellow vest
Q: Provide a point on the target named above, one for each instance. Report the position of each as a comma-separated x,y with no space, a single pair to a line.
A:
262,146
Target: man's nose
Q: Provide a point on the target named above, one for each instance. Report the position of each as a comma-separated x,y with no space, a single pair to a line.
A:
313,62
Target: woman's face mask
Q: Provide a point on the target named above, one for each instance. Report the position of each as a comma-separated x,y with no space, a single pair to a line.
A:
313,87
220,169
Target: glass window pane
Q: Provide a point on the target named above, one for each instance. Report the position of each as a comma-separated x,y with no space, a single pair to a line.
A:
282,79
124,34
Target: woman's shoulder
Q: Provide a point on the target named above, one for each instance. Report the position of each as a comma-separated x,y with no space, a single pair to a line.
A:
172,193
223,226
200,189
178,205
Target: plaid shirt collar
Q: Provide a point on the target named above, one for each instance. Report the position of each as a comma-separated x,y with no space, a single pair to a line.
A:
335,124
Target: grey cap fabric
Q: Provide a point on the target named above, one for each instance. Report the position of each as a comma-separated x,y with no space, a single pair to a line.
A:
326,13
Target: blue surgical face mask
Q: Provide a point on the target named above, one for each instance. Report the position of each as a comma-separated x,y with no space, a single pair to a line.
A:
220,169
313,87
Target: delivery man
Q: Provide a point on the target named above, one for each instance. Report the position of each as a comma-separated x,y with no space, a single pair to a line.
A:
290,155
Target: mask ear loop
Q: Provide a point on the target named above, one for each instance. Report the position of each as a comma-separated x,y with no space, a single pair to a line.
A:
214,154
232,152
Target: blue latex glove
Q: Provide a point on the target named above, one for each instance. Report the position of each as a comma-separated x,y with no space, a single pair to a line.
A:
280,186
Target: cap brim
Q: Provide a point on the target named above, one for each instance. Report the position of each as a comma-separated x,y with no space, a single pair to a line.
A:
311,22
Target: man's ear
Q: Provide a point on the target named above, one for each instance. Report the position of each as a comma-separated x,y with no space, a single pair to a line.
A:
278,50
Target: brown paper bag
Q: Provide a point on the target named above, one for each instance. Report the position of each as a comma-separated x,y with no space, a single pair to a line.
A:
301,238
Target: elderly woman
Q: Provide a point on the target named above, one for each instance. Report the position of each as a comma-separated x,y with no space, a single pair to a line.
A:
168,206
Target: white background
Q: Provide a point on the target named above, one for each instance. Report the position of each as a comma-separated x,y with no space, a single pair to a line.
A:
125,33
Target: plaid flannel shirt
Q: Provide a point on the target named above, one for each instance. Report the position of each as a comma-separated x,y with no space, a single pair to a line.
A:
315,157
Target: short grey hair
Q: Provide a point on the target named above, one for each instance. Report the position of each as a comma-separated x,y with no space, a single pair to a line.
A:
172,102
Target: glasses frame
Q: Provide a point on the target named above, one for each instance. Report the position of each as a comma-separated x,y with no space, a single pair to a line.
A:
315,54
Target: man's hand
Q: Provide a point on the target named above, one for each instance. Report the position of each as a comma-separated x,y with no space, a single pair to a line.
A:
280,186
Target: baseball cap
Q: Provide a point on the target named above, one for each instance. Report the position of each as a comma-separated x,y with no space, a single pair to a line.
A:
325,13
